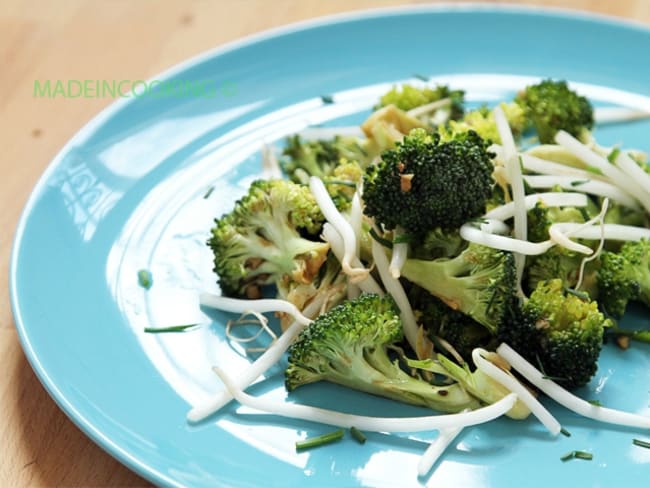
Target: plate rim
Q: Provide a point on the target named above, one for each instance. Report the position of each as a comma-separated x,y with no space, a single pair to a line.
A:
100,438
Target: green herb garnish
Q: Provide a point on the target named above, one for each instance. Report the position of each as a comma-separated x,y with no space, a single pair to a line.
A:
421,77
208,192
380,240
327,99
358,435
320,440
611,157
403,239
565,432
568,455
594,170
145,280
640,443
580,294
595,403
579,182
583,455
577,455
172,328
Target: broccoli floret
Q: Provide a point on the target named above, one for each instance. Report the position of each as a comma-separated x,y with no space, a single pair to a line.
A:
350,346
266,239
408,97
425,184
624,277
480,282
482,122
551,106
440,320
560,331
320,157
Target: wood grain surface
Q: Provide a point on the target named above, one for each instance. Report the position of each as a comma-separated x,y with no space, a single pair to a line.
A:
118,39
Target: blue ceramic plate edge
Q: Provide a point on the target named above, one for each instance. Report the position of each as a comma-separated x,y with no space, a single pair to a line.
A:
100,438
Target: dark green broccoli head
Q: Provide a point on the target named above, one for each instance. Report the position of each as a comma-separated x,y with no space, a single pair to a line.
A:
320,157
408,97
480,282
561,332
425,184
263,240
349,345
551,106
624,277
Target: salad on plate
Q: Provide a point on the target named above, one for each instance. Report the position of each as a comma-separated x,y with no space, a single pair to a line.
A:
469,260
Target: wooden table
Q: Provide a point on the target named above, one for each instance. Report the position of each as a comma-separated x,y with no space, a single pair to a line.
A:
120,39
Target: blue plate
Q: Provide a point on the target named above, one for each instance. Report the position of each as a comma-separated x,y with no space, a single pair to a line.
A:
130,192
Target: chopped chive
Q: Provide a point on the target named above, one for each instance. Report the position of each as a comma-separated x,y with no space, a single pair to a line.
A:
544,375
320,440
636,158
595,403
477,222
583,455
640,443
553,378
208,192
358,435
594,170
583,213
403,238
579,182
327,99
565,432
145,280
421,77
577,455
172,328
611,157
380,240
580,294
568,455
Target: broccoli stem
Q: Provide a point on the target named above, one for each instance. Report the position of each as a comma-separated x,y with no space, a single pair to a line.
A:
281,245
375,373
448,280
